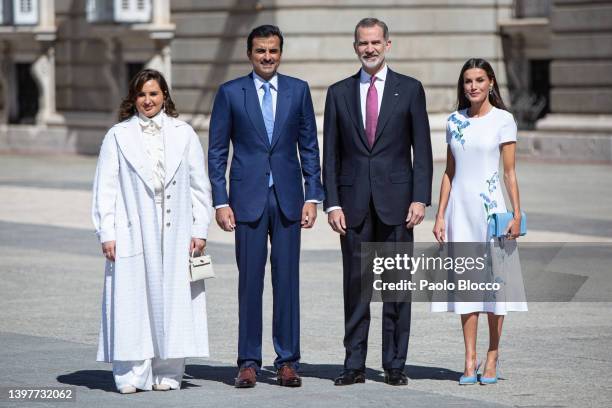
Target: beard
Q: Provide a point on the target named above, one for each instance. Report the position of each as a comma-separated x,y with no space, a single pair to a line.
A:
372,63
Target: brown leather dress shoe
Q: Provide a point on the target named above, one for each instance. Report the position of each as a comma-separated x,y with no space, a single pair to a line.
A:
286,376
247,378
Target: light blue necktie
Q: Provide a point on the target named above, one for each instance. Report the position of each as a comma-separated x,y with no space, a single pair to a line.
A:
268,116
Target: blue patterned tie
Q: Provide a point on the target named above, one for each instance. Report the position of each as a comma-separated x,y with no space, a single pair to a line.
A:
268,116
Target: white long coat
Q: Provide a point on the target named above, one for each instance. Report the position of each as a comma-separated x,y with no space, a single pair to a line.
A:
149,308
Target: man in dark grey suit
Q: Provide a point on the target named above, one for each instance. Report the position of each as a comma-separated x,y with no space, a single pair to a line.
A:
377,173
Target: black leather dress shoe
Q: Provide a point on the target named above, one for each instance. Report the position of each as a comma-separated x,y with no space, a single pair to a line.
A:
395,377
349,377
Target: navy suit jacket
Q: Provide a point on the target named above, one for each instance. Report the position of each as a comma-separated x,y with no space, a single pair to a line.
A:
386,173
237,117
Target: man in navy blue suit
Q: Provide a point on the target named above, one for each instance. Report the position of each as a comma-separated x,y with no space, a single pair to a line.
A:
269,118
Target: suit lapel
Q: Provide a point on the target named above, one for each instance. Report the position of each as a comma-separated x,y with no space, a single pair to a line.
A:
175,143
390,97
253,109
130,142
353,104
283,103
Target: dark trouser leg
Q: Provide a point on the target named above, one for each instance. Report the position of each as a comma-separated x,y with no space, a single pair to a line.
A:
396,315
356,295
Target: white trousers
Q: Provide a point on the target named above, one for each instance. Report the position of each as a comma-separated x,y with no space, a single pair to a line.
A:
143,374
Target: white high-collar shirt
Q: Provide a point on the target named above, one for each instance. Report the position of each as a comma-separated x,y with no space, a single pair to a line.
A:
259,81
153,140
364,85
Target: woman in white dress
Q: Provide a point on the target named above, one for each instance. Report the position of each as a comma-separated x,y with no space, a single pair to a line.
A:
477,134
151,206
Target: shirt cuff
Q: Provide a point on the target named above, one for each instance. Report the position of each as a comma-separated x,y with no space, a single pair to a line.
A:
199,231
106,235
418,202
314,201
330,209
221,206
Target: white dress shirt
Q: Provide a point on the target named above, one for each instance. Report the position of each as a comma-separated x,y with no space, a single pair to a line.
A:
259,81
153,140
364,85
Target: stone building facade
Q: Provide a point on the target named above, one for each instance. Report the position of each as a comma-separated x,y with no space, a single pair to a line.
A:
575,37
64,71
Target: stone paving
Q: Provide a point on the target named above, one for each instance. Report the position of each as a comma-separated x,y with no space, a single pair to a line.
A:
557,354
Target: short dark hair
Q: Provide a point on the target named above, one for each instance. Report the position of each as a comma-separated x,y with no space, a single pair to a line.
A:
371,22
128,106
266,30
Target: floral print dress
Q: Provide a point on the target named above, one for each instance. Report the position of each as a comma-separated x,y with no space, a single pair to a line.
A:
476,193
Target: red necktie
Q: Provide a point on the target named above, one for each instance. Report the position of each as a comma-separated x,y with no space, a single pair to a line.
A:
371,112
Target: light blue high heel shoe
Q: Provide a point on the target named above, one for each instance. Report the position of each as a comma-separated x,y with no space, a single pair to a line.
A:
491,380
470,379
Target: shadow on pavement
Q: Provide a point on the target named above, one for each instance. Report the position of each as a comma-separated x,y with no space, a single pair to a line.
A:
331,371
92,379
103,380
223,374
432,373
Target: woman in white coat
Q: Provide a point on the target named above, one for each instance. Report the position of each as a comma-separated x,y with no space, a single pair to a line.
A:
151,206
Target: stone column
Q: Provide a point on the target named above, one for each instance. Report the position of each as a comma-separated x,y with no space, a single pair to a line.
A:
43,71
162,33
113,70
161,12
4,79
162,60
46,20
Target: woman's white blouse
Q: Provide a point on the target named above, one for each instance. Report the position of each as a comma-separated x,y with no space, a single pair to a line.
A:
153,140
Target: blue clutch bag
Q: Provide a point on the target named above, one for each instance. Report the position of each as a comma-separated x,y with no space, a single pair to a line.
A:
499,223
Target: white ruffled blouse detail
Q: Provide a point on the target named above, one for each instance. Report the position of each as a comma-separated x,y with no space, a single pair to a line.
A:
154,146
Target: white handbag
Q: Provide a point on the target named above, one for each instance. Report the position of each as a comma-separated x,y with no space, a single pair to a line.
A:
200,267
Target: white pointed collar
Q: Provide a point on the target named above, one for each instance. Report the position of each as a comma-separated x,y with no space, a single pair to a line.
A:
157,120
259,81
380,75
